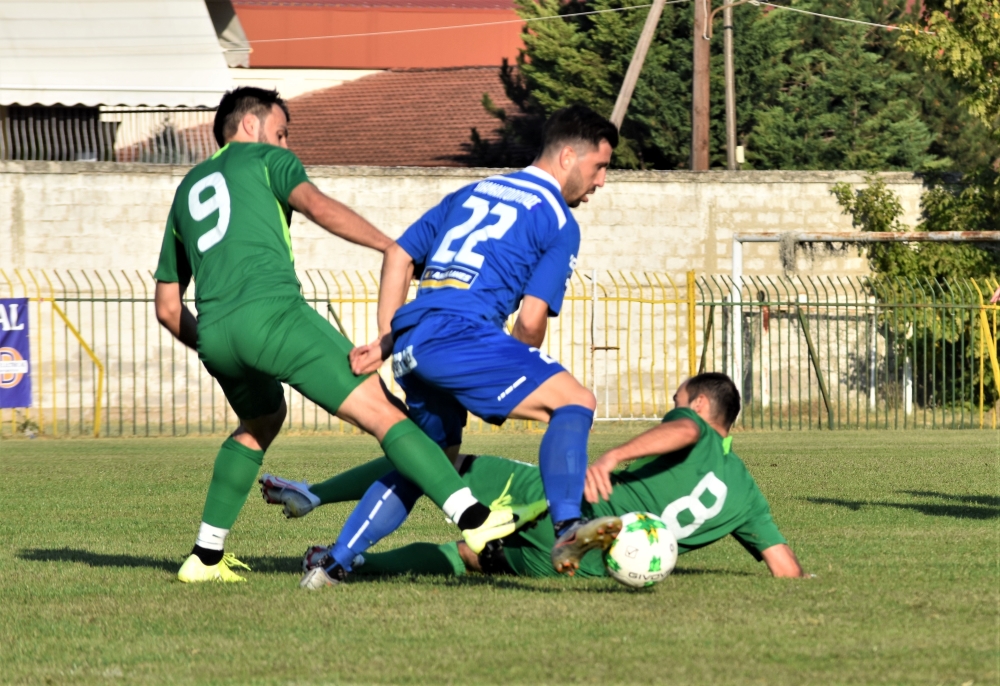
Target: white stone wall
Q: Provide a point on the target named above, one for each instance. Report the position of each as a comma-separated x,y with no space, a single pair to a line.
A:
110,216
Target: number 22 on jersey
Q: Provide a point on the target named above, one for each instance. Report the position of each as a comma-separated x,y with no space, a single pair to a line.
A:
217,202
506,216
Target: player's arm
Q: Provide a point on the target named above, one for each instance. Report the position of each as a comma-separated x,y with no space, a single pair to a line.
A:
782,561
397,271
173,274
545,290
336,217
174,315
665,438
531,321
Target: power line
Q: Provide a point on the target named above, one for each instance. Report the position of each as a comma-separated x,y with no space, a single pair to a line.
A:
887,27
463,26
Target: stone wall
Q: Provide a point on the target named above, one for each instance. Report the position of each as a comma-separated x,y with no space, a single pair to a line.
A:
110,216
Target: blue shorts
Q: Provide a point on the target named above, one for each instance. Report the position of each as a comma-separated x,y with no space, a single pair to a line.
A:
449,366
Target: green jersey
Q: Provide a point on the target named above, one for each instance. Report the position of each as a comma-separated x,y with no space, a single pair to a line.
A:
228,228
703,493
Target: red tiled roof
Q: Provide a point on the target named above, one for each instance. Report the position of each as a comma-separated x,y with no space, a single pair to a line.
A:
457,4
397,118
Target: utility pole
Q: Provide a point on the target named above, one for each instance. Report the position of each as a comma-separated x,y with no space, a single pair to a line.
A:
635,66
727,29
699,88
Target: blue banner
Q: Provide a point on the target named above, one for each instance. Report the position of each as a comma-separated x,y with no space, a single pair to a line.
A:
15,353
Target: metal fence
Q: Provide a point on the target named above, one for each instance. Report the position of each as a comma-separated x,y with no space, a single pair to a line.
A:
834,352
103,365
107,134
809,352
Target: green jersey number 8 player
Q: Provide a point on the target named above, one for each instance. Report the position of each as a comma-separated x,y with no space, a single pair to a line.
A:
228,230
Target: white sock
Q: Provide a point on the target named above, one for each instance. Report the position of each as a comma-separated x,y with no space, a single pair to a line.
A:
457,503
211,537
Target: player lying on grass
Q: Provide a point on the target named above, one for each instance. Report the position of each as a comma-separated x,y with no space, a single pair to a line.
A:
228,229
682,470
497,246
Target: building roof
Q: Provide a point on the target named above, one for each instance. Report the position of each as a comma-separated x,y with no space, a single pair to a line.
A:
110,52
380,34
413,117
443,4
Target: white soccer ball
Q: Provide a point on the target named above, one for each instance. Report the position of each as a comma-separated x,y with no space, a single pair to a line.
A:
643,553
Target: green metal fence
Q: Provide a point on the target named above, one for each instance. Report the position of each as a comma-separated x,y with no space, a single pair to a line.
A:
812,353
837,352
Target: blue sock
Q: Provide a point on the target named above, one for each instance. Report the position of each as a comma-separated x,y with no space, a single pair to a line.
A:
382,509
562,460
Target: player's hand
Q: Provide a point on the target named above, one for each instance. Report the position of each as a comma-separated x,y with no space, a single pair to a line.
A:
366,359
598,482
996,297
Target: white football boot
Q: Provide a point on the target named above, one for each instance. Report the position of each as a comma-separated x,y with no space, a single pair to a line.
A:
294,495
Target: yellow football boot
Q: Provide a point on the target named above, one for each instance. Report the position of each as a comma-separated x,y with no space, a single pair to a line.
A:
194,571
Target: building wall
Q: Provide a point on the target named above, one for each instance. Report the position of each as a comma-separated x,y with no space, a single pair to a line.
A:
111,216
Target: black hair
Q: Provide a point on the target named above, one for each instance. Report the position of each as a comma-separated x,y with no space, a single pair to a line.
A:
238,103
577,124
721,393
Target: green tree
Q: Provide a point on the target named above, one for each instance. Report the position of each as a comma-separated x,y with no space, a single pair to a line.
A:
909,274
837,101
811,93
962,38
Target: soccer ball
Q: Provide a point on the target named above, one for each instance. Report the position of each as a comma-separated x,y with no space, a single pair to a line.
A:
643,553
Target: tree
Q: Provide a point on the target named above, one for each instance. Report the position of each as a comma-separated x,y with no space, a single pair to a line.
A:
946,206
909,275
836,100
811,93
962,38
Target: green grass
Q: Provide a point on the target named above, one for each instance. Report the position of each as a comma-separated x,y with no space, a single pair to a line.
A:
901,530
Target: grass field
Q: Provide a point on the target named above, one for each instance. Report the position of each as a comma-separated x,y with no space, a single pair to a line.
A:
902,531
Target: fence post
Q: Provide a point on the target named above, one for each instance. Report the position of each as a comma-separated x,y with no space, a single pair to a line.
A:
692,343
736,298
815,363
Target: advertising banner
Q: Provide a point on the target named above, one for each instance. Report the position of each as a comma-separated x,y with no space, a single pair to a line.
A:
15,353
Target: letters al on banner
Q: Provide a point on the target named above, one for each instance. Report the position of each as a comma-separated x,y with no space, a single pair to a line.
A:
15,353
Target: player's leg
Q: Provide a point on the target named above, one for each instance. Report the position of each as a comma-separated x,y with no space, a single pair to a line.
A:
568,408
562,457
300,498
308,354
495,377
259,401
389,501
419,459
419,558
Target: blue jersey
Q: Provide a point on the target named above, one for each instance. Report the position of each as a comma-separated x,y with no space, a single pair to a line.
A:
486,246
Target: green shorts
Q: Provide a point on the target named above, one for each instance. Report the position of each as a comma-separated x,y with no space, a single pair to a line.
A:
529,550
255,347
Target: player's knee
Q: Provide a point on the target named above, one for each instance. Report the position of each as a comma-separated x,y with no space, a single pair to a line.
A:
276,420
268,429
577,394
586,399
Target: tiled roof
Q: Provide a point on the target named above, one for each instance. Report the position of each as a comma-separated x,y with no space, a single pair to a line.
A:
397,118
457,4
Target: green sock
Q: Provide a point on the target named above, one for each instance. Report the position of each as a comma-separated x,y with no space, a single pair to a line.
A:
236,468
353,483
420,460
416,558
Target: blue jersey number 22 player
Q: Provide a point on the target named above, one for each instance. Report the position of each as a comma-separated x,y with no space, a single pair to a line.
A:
493,246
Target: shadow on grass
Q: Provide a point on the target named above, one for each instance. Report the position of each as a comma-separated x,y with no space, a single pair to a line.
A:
961,506
97,559
293,565
266,565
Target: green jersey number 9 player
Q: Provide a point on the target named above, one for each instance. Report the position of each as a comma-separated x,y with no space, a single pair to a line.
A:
228,230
